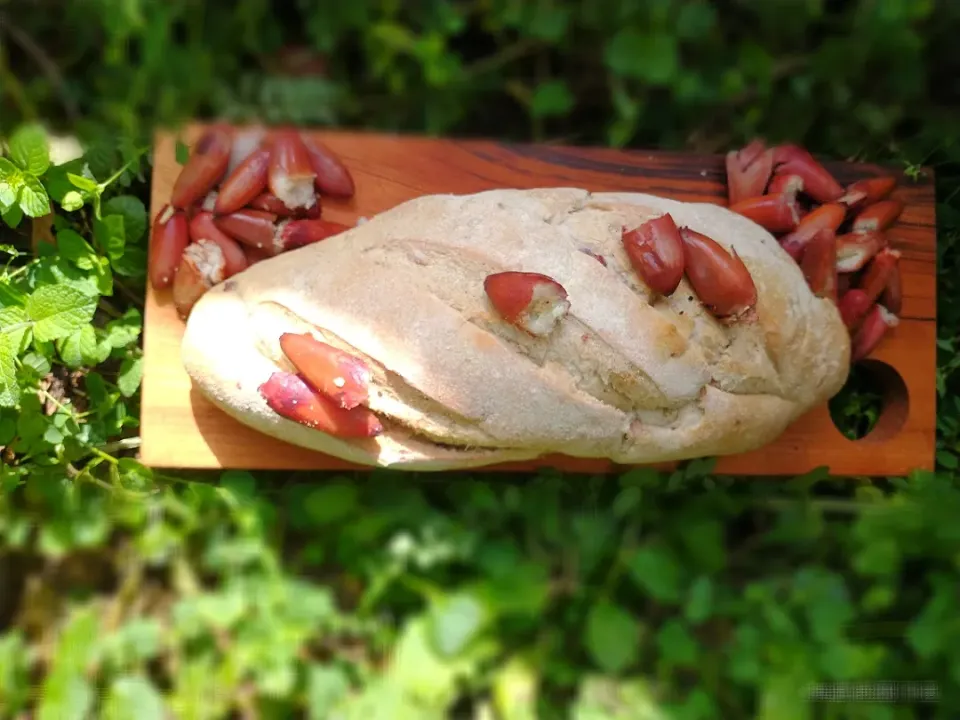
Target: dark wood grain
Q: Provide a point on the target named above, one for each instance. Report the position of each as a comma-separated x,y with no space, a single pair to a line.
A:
181,429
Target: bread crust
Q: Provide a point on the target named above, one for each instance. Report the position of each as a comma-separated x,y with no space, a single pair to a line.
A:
626,376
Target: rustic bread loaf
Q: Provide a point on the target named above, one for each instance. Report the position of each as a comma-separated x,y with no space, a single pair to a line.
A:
626,374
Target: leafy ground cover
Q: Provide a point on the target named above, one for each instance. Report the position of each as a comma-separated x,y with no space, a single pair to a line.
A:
129,594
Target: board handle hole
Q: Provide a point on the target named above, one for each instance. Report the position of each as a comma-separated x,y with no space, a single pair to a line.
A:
873,404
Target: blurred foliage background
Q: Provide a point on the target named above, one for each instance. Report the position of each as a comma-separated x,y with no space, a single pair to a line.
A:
127,594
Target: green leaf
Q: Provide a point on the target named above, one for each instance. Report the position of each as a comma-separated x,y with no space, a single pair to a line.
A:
9,173
655,570
9,386
133,696
699,600
132,211
515,690
11,180
695,20
109,234
75,249
104,276
136,475
65,693
29,149
423,674
124,330
551,98
653,58
59,310
612,637
676,644
456,621
72,201
33,197
84,183
133,262
330,503
78,347
326,686
13,215
131,372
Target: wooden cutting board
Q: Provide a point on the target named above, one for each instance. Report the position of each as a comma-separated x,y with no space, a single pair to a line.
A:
180,429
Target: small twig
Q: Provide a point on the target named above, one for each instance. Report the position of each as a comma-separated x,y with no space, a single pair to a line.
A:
109,309
130,443
41,58
500,58
14,86
128,293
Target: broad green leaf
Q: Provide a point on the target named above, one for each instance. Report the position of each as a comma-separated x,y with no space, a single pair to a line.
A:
29,149
75,249
137,640
65,697
699,600
515,690
11,180
135,475
653,58
103,276
33,197
132,696
695,19
550,99
330,503
131,372
15,681
240,484
603,698
456,621
13,215
133,262
9,173
109,234
9,387
79,347
132,211
66,693
422,673
612,636
677,646
83,183
124,330
72,201
59,310
326,686
655,570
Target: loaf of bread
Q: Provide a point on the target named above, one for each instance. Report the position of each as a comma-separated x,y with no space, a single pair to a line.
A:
401,342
